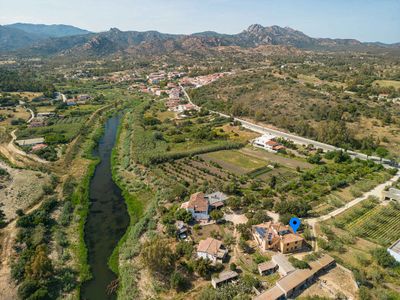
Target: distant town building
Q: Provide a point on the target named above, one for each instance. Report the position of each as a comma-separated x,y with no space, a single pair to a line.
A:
212,250
38,147
46,114
30,142
277,237
37,122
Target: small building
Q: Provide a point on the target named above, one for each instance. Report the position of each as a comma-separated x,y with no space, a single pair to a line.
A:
284,266
198,206
394,250
181,230
38,147
268,142
224,277
216,199
71,102
392,194
83,97
267,268
46,114
211,249
30,142
37,122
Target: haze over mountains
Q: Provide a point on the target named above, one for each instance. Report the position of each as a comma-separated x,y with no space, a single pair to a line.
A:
33,39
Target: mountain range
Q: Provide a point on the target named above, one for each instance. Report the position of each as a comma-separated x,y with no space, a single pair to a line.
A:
22,35
31,39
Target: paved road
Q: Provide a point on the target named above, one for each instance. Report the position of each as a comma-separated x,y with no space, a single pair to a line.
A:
295,138
32,115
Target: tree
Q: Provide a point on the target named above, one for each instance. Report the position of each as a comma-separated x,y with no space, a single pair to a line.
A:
315,159
297,263
216,214
382,152
179,281
383,258
272,182
232,267
234,203
183,215
203,267
158,256
40,266
2,216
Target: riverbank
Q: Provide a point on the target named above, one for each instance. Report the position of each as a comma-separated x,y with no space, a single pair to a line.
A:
141,201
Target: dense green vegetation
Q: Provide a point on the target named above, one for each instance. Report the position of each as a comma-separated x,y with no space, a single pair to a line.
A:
24,80
157,141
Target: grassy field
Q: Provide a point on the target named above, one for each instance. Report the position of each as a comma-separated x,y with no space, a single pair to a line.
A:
18,113
235,161
387,83
291,163
49,108
162,116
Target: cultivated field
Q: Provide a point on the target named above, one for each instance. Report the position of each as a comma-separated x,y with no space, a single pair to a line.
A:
380,225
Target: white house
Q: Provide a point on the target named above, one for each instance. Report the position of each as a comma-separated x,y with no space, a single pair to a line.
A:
268,142
211,249
198,206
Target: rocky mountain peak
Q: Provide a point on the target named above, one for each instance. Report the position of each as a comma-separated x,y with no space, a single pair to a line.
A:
255,28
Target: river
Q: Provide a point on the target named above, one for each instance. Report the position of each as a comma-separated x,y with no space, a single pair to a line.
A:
107,219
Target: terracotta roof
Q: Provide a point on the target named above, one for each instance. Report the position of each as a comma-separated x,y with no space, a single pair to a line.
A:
272,143
272,294
210,246
197,202
294,279
291,238
279,147
321,263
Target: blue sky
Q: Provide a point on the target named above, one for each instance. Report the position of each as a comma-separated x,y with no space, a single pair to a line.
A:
365,20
